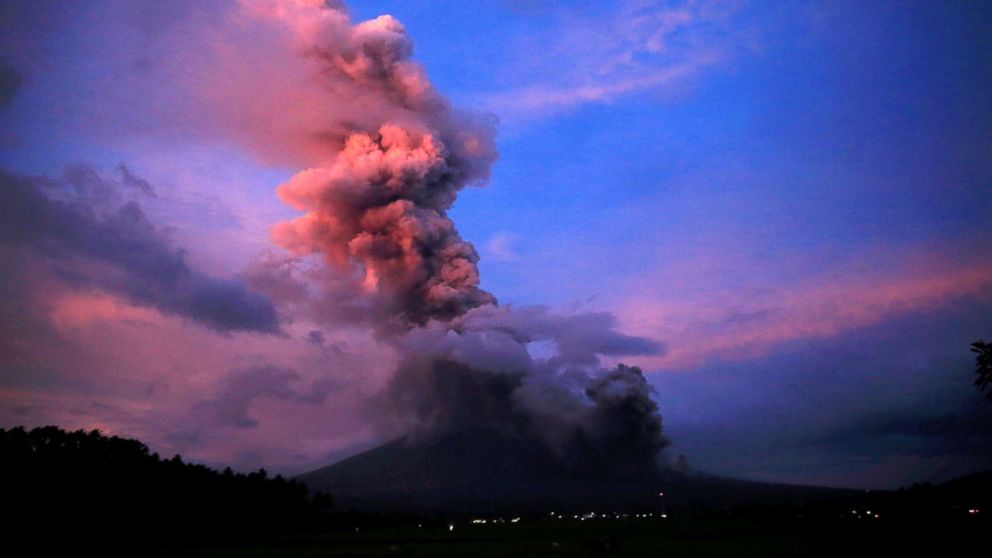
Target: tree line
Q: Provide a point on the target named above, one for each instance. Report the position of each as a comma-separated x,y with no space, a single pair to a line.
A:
85,488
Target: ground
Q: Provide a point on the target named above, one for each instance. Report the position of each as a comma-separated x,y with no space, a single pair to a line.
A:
697,537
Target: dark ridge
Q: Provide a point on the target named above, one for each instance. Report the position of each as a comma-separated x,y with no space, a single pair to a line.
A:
485,470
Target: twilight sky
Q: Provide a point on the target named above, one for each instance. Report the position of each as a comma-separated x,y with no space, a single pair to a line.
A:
792,200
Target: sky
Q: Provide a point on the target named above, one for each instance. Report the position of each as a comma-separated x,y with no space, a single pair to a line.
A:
790,202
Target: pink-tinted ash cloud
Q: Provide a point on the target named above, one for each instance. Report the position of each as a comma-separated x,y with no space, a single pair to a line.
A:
382,204
388,154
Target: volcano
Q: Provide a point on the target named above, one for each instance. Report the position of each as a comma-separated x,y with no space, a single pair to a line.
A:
489,471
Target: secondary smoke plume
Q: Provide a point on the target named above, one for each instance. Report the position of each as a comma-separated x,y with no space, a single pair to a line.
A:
477,370
375,208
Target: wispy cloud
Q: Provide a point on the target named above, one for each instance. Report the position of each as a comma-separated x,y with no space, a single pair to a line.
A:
640,47
744,323
500,247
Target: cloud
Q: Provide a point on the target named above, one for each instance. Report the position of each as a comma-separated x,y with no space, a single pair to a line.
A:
304,288
382,204
131,180
704,320
878,406
95,360
10,82
380,157
374,196
500,247
600,54
547,100
477,370
231,406
85,235
315,336
578,337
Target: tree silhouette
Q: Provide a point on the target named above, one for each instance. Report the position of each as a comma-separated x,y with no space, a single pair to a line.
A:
83,486
983,366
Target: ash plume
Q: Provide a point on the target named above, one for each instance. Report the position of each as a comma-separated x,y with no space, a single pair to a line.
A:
381,206
375,203
375,206
477,371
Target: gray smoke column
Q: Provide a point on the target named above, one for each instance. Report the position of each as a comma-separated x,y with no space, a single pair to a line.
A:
478,371
375,208
377,204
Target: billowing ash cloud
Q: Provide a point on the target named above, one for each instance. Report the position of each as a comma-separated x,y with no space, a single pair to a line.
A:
389,157
381,205
478,371
375,207
86,234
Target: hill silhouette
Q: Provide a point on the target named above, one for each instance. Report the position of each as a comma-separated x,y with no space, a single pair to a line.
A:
487,470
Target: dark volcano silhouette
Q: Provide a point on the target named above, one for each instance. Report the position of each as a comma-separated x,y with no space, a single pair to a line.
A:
486,470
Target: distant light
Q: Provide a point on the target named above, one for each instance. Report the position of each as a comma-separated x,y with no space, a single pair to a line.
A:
664,516
514,520
451,527
661,494
876,516
973,511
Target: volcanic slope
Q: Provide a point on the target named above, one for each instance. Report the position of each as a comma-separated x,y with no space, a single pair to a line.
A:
489,471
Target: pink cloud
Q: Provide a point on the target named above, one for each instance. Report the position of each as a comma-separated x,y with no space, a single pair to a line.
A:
134,371
703,320
74,310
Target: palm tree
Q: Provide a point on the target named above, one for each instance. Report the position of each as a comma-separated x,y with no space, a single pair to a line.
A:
983,366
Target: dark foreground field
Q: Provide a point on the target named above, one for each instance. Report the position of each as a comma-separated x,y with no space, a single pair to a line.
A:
82,493
697,537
